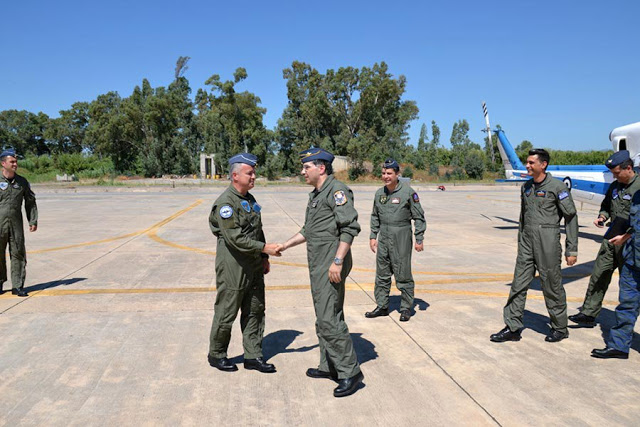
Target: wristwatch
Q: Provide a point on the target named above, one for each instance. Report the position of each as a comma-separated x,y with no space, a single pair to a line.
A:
337,261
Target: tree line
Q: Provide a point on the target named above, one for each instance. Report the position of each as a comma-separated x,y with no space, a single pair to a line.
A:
360,113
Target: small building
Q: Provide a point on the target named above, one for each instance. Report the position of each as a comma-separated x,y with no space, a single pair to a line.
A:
208,167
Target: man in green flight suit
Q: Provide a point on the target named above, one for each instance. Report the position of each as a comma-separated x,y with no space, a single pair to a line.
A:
394,206
13,190
331,224
544,202
242,260
616,204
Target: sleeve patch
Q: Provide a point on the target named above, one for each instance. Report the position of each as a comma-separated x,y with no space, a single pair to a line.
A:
340,198
226,211
563,195
416,198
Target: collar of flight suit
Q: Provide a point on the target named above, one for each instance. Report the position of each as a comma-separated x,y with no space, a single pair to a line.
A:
545,181
395,190
237,193
625,186
325,185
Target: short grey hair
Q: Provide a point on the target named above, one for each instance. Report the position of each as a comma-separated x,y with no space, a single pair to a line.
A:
235,167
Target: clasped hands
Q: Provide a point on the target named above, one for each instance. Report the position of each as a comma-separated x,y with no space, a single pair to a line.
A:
273,249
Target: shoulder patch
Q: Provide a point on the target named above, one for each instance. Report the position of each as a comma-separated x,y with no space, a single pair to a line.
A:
415,197
340,198
563,195
226,211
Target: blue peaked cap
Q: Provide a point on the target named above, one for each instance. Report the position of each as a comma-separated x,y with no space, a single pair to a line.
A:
617,158
315,153
391,164
246,158
8,152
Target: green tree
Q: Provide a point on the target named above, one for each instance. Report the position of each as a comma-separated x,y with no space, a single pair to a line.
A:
352,112
66,134
474,163
231,122
24,131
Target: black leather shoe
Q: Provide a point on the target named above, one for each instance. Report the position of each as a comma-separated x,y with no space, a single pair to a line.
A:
377,313
348,385
317,373
583,320
506,335
556,336
20,292
259,364
405,315
609,353
223,364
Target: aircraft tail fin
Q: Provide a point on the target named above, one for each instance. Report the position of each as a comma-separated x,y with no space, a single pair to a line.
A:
510,159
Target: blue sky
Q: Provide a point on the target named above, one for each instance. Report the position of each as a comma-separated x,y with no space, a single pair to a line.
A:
561,74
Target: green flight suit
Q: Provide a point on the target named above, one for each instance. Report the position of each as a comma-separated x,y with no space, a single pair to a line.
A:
330,219
616,203
236,222
543,205
12,193
391,225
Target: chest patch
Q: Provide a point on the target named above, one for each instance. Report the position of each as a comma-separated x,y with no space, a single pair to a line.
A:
626,197
541,193
4,185
395,200
614,195
563,195
245,205
226,211
383,199
527,191
340,198
415,197
257,208
314,203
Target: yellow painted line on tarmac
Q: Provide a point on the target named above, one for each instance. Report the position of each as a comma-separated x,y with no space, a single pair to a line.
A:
349,286
153,229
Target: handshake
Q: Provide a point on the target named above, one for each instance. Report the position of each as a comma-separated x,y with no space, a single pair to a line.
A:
273,249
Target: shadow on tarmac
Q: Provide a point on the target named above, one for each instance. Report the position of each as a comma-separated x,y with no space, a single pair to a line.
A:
418,304
55,283
365,349
279,341
536,322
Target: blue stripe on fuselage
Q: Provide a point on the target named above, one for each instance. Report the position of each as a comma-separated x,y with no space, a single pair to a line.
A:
590,186
578,184
578,168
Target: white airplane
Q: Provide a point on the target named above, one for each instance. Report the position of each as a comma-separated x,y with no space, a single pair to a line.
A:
587,183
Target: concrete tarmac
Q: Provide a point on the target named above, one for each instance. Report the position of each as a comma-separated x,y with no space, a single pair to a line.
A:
121,289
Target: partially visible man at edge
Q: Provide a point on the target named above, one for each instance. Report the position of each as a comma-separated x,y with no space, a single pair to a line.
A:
13,190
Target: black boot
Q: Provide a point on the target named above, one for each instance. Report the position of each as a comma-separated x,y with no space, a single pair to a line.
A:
609,353
223,364
259,364
505,335
348,386
377,312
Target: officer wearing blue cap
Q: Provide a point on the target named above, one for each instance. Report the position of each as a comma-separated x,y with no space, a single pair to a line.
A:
394,207
242,260
621,335
14,189
616,204
331,224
